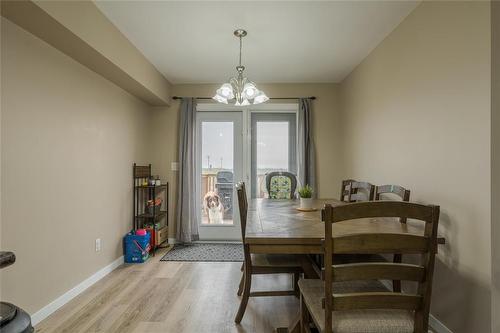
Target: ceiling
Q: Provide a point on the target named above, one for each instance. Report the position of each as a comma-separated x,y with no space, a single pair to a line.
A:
288,41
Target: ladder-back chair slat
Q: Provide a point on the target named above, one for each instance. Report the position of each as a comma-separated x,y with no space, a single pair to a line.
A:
379,270
377,243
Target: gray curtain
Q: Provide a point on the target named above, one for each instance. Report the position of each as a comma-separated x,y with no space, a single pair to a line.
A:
305,149
187,212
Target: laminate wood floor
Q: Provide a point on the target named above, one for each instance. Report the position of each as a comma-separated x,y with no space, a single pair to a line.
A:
180,297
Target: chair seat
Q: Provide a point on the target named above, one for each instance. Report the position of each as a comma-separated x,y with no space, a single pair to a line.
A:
275,260
354,321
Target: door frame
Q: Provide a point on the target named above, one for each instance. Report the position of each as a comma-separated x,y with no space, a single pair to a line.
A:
246,143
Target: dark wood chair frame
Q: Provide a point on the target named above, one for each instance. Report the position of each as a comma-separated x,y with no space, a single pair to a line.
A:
404,194
356,191
345,189
400,191
425,245
250,269
293,179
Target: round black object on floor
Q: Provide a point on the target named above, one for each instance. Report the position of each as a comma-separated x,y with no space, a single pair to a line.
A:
14,319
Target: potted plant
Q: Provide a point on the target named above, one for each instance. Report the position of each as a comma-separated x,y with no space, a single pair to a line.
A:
305,194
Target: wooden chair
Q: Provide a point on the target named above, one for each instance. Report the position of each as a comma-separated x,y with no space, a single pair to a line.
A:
400,191
355,191
345,189
281,185
404,194
351,298
261,263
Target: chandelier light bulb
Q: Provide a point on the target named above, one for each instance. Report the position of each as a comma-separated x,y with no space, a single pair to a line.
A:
250,91
220,99
260,98
227,91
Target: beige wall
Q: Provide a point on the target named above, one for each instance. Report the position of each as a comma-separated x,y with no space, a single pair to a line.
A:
495,142
325,121
416,112
69,138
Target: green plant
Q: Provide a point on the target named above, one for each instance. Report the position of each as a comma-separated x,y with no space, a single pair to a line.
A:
306,192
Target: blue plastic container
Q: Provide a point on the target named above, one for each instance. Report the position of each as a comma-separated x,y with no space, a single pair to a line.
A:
136,247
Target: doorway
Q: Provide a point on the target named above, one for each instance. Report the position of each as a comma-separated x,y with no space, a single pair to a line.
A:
219,164
239,144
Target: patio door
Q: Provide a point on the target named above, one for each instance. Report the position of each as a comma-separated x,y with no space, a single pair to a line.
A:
273,147
220,165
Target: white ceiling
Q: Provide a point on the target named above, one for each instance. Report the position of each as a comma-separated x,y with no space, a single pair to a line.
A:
288,41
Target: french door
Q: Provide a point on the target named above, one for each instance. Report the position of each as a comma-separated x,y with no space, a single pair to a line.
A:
235,144
220,165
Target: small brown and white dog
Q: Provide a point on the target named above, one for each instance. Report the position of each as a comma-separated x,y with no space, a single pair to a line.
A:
213,207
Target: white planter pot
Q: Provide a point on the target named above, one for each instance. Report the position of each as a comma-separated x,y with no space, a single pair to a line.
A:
306,203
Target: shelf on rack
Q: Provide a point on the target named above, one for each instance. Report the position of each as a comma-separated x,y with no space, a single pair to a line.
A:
151,186
158,214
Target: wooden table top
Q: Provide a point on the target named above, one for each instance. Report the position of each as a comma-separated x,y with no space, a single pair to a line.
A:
274,222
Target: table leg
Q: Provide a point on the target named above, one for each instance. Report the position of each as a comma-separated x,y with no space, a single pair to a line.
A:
311,270
295,327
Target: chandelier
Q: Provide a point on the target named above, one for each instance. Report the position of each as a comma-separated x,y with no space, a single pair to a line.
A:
239,88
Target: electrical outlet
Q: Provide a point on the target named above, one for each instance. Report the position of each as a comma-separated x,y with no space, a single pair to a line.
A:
174,166
97,245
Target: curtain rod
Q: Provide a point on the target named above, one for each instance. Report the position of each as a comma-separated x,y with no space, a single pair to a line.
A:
311,97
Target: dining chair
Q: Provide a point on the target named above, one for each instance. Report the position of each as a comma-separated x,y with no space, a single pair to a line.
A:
350,298
345,189
356,191
404,194
281,185
261,263
397,190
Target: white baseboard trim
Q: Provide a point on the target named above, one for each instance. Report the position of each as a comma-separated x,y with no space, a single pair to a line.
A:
75,291
437,326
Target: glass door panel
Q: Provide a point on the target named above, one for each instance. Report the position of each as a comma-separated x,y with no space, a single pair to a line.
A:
219,164
217,173
273,141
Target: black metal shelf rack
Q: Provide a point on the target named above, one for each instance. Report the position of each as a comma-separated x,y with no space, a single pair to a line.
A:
142,217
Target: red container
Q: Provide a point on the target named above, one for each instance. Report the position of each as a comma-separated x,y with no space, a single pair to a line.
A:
140,232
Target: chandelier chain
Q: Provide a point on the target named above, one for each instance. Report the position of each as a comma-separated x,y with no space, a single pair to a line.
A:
240,49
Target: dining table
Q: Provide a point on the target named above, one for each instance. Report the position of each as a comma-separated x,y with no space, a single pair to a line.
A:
279,227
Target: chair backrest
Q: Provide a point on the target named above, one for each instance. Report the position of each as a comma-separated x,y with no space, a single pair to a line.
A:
345,189
375,243
400,191
356,191
243,207
281,185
